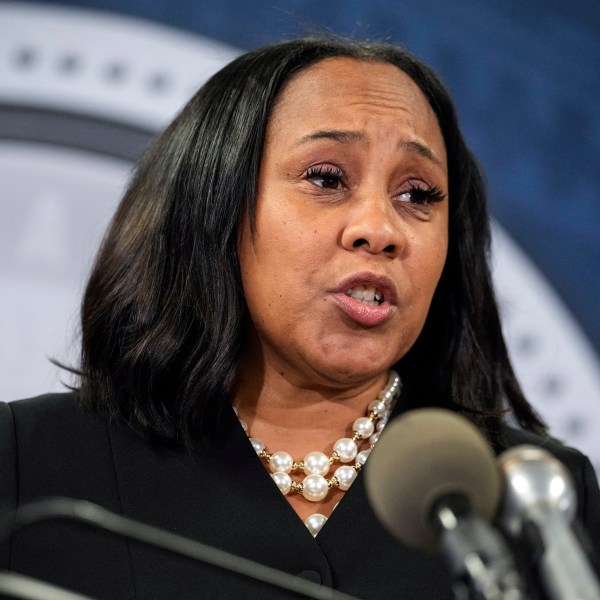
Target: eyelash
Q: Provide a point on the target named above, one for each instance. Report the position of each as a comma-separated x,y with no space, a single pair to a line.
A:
322,172
420,193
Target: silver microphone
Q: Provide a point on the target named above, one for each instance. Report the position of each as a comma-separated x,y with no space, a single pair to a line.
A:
539,494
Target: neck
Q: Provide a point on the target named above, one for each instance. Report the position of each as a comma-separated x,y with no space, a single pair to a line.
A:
304,476
299,417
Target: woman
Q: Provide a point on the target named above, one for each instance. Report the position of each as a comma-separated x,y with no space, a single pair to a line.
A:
311,223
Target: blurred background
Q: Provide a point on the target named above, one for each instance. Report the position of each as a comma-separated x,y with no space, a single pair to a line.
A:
84,85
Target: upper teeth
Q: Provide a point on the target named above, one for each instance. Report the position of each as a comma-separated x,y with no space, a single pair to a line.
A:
367,294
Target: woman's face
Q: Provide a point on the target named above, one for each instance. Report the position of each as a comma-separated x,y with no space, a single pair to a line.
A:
351,224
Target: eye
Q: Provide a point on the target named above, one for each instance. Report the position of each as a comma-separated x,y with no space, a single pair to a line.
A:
327,177
421,193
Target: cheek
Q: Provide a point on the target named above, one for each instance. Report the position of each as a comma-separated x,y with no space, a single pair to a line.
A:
292,246
274,265
438,260
429,264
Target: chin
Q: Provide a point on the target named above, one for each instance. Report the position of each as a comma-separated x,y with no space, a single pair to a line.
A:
347,369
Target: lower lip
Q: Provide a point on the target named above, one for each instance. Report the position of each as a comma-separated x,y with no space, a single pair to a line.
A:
365,314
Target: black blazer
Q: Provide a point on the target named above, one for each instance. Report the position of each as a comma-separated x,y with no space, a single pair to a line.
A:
220,494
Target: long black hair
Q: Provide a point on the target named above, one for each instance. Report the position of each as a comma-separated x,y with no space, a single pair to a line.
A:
164,315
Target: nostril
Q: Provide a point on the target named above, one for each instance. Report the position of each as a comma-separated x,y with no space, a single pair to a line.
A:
391,248
360,242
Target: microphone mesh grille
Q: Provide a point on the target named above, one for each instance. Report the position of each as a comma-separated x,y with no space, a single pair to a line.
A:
421,457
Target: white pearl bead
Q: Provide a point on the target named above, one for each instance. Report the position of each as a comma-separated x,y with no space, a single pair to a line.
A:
316,463
315,522
373,439
346,449
283,481
315,487
345,475
257,444
281,461
381,424
364,427
361,457
383,394
377,407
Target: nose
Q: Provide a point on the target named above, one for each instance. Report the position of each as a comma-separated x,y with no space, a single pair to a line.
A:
374,226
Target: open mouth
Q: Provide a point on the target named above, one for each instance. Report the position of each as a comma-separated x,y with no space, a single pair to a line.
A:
366,294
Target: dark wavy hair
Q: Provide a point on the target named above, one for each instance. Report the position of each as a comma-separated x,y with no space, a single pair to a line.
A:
164,315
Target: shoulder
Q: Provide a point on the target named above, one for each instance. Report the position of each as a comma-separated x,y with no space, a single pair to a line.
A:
576,462
571,457
52,448
31,408
44,404
51,417
51,430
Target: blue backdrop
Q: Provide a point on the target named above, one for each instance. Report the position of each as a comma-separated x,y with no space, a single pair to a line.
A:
526,80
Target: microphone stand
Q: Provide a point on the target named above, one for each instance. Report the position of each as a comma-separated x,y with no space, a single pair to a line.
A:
27,588
564,567
96,516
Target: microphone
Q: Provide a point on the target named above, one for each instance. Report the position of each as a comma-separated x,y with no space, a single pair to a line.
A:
539,506
433,482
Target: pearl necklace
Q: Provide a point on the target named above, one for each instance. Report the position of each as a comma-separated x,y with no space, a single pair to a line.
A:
316,465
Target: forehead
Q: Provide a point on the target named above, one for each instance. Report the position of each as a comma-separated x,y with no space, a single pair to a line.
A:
353,93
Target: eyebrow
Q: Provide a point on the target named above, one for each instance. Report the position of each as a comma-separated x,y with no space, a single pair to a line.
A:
344,137
420,149
338,135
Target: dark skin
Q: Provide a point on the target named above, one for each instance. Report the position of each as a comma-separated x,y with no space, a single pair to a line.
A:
352,198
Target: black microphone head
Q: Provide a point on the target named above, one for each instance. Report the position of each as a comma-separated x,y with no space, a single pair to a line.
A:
421,457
